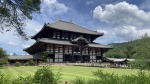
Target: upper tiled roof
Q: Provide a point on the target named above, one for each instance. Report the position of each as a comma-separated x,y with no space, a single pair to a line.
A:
69,26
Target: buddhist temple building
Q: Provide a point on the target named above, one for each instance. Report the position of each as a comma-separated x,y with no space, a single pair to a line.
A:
67,42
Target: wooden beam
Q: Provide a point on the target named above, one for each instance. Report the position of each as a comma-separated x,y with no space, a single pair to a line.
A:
72,54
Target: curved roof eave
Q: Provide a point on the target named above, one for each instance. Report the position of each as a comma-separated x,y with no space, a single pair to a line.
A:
38,32
31,46
45,40
53,25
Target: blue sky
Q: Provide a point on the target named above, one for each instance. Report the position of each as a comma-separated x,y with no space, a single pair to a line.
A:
119,20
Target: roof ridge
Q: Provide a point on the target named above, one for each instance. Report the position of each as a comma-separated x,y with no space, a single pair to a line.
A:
79,26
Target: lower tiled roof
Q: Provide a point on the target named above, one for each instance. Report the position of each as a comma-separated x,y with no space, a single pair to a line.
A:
23,57
63,42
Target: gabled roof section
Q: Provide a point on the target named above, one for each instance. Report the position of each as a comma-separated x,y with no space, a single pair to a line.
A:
79,38
69,26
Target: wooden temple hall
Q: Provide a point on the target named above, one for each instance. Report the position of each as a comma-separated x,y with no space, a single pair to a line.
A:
67,42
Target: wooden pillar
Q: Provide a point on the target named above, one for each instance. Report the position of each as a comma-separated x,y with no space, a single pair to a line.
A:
80,54
63,53
72,54
54,52
95,54
89,53
101,54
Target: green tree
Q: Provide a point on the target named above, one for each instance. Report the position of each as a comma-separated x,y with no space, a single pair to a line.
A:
45,55
3,57
46,76
13,14
142,57
115,54
17,64
14,54
145,36
31,63
129,51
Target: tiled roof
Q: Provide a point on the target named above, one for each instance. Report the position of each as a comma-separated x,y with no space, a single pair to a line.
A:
14,57
69,26
22,57
52,41
65,42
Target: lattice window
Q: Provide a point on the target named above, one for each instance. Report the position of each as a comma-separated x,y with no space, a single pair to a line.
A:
85,50
89,38
71,37
74,36
58,35
65,36
54,34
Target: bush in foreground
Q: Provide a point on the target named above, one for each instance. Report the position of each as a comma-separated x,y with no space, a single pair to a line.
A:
4,79
17,64
30,63
107,78
42,76
46,76
22,80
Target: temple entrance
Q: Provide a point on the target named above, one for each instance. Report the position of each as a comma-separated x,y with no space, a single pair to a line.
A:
67,58
50,58
76,58
98,58
85,58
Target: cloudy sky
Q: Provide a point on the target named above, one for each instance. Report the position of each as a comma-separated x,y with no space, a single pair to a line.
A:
119,20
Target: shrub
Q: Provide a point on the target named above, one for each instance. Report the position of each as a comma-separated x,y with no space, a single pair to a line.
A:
79,80
4,79
26,64
46,76
22,80
110,78
31,63
17,64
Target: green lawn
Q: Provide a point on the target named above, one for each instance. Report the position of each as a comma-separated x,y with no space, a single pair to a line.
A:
69,72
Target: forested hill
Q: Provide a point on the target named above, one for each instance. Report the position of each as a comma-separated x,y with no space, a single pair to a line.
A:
131,49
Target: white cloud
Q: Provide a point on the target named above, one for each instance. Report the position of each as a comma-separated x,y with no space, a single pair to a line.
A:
127,20
37,30
10,53
25,46
12,43
89,2
53,7
33,26
130,32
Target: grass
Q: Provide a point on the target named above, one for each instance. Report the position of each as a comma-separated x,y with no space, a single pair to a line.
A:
68,72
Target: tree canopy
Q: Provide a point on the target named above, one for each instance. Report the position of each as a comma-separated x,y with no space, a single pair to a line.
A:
3,57
129,49
13,14
138,49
